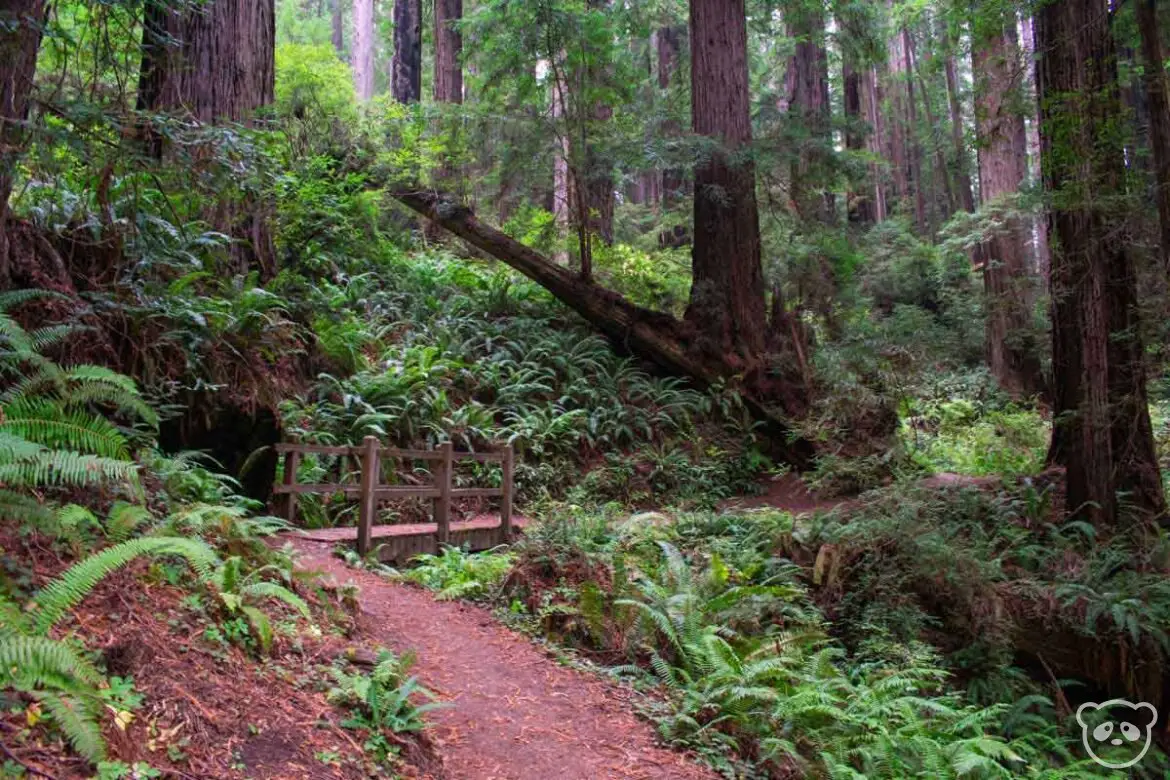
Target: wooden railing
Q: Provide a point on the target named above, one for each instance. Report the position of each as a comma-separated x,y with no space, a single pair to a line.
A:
370,489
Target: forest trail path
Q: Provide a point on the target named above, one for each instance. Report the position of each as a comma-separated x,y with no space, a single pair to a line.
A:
514,713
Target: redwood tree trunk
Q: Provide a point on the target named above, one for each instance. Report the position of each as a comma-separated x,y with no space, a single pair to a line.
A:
860,207
1003,167
1102,432
914,147
599,185
406,64
448,52
674,180
808,73
338,22
1159,113
363,48
727,289
215,63
448,86
20,38
962,166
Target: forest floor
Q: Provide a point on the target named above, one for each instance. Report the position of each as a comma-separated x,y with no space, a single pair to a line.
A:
515,713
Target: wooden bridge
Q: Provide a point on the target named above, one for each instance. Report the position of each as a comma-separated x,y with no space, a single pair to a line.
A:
403,541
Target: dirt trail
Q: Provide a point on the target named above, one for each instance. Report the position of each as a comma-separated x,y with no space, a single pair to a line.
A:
515,713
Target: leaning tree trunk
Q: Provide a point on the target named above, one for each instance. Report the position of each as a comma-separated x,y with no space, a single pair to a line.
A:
1008,283
1102,432
363,48
20,38
673,345
727,288
406,64
215,63
1159,113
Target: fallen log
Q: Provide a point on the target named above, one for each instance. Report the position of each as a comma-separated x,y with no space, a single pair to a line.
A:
650,335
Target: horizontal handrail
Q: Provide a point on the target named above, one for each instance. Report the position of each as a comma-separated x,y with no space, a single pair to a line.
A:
371,490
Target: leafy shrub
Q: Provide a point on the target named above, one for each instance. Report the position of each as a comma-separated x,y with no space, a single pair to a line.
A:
457,574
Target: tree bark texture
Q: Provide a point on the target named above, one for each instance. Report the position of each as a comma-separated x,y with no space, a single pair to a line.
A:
1102,432
406,64
860,207
1012,354
1159,117
20,39
214,63
363,48
338,23
808,75
727,288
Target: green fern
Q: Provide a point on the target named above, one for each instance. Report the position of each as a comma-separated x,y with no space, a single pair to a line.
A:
47,422
62,594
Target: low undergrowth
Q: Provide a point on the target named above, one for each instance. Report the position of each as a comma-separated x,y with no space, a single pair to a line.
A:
878,642
91,513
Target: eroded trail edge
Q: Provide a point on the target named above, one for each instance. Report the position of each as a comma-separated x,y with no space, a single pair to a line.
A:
514,713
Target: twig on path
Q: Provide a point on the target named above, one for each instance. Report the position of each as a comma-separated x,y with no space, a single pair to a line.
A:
32,770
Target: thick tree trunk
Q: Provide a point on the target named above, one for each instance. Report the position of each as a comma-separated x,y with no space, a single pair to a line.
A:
1102,432
1003,167
338,22
363,48
406,64
215,63
1159,113
727,288
652,336
20,39
808,76
859,208
448,52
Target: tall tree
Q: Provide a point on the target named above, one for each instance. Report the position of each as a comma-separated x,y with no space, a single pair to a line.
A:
214,62
363,48
20,38
406,64
958,134
448,86
727,290
1003,167
338,25
668,49
808,89
1101,432
1159,114
860,208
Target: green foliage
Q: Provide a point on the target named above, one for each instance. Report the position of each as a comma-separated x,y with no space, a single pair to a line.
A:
312,82
456,574
384,699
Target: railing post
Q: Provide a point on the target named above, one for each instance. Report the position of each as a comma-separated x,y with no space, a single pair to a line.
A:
368,497
443,502
506,496
292,460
